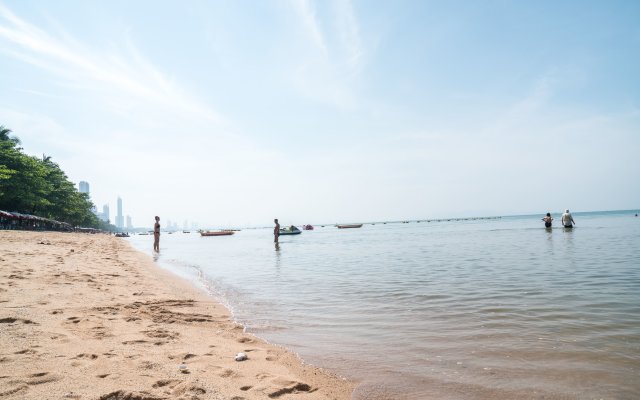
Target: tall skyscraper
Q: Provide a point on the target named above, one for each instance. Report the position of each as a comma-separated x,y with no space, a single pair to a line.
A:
105,216
83,187
129,225
119,216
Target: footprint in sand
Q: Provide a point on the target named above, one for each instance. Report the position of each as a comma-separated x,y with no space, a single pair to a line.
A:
272,355
14,390
161,334
11,320
26,351
170,383
41,377
182,356
149,365
84,355
135,341
229,373
124,395
188,390
263,376
293,387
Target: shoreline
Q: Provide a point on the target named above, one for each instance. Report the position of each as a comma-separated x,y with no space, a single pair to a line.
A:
90,317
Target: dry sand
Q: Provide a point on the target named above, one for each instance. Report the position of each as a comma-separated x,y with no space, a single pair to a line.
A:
88,317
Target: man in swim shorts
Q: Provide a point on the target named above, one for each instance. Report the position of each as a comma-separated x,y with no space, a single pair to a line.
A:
567,219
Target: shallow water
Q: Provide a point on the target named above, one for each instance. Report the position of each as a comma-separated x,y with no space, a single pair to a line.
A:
484,309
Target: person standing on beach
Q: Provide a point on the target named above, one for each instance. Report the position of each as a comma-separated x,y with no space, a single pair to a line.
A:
567,219
156,235
276,231
547,220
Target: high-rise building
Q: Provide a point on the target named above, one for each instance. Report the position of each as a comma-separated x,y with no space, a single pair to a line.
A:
105,213
83,187
119,216
129,225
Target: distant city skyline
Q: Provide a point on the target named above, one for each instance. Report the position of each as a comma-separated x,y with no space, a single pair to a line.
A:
127,221
329,111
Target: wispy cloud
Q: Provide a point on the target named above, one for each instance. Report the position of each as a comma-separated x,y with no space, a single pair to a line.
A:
127,72
328,70
307,12
349,32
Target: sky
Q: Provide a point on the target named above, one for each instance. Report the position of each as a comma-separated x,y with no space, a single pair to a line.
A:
233,113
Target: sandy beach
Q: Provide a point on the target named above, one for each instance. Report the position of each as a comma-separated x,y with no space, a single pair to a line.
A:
88,317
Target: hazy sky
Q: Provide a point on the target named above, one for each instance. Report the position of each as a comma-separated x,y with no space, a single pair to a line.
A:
231,113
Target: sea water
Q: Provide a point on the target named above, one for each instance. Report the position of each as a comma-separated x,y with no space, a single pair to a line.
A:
454,309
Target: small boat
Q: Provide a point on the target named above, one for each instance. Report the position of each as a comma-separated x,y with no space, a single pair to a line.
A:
122,234
347,226
216,233
292,230
186,231
307,227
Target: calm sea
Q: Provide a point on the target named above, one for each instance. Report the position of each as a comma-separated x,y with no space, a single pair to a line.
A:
476,309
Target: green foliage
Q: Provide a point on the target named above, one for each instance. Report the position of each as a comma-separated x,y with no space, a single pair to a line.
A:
36,186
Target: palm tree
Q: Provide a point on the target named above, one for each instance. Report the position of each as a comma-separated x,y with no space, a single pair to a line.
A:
4,135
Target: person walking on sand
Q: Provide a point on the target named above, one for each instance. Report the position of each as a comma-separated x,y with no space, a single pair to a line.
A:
547,220
276,231
156,235
567,219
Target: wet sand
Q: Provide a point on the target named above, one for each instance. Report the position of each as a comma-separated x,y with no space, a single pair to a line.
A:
88,317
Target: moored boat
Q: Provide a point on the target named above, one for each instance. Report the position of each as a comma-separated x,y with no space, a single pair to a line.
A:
292,230
216,233
347,226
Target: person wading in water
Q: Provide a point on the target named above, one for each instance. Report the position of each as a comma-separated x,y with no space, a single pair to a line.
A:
276,231
547,220
156,235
